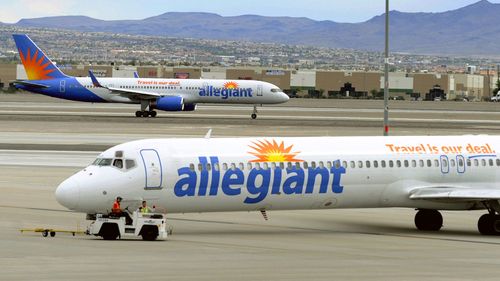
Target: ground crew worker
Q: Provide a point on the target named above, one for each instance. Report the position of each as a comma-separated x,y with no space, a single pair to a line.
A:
144,208
117,211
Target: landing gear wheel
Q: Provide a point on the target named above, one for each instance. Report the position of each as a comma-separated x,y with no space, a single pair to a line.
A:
138,113
152,113
52,233
254,116
486,224
145,114
428,220
45,233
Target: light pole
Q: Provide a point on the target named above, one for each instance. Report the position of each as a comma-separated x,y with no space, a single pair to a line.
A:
386,71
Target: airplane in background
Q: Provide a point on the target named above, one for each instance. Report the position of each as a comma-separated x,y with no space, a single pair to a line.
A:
428,173
151,93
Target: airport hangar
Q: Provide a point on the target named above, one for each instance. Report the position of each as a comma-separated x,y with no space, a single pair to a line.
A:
310,83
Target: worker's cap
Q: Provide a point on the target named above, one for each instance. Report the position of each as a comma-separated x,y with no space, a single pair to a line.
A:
119,198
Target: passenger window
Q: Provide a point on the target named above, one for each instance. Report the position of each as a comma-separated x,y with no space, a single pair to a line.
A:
429,163
360,164
421,163
216,166
257,166
375,164
383,163
242,167
118,163
436,163
321,165
266,166
337,164
391,163
224,166
200,167
444,163
282,165
344,164
306,165
498,162
461,161
130,164
209,167
398,163
367,164
414,163
353,164
407,164
249,166
233,166
483,162
476,162
313,165
491,162
297,166
452,162
469,163
289,165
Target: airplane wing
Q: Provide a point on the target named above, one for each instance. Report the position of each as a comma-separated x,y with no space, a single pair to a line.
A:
450,193
133,94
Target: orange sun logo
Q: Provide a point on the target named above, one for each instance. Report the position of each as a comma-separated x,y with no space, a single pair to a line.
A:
267,151
231,85
34,66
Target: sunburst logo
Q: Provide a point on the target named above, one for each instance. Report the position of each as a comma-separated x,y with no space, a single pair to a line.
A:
34,65
267,151
231,85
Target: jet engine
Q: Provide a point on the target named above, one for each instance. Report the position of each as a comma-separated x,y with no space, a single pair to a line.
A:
169,103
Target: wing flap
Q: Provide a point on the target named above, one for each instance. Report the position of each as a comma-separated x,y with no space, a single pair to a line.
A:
455,193
134,94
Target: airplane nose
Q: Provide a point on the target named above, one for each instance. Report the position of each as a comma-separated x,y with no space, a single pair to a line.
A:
68,193
285,97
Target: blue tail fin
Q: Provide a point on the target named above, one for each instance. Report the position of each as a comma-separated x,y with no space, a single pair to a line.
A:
37,65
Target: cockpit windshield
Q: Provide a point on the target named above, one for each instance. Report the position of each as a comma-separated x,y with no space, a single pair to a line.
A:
275,90
117,163
102,162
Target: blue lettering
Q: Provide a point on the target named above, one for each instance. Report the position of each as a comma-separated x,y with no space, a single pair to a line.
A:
224,93
311,179
295,183
277,180
215,176
337,173
202,191
228,181
185,186
262,190
216,92
202,92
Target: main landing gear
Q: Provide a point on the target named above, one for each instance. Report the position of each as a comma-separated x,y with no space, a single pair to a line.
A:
488,224
145,113
428,220
254,114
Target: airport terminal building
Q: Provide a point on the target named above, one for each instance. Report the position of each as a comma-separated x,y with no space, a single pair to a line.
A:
304,83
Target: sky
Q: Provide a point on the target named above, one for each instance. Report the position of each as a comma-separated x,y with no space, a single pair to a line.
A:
335,10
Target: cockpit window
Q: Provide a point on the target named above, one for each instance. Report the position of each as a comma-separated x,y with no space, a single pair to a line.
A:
275,90
130,164
118,163
102,162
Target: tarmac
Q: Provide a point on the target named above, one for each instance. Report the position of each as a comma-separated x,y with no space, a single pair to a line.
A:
46,140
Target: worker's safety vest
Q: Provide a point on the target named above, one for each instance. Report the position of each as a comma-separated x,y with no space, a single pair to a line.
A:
144,210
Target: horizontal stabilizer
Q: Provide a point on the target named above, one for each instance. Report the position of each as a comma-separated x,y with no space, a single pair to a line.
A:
30,84
455,193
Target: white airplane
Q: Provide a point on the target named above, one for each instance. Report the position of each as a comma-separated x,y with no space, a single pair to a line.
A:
259,174
151,93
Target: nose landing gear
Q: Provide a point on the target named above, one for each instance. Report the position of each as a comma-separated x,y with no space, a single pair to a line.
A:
254,114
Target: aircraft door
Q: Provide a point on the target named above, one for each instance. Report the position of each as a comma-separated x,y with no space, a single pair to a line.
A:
259,90
445,164
460,164
152,168
62,86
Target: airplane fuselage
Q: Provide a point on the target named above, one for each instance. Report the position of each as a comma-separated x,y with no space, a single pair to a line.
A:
245,174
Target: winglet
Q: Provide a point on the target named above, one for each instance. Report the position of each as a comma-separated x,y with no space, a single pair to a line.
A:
208,134
94,79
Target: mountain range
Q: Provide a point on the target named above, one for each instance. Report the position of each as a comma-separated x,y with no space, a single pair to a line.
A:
471,30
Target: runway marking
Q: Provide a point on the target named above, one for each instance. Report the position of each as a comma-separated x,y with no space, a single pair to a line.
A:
225,116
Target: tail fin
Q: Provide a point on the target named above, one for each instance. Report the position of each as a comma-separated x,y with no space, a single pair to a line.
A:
37,65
